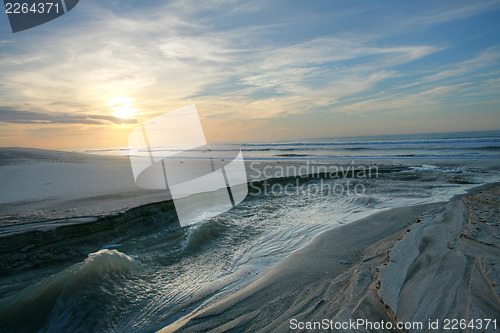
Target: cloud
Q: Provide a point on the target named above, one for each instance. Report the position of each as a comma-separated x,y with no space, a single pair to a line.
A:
450,13
486,59
29,117
469,82
239,63
172,59
428,100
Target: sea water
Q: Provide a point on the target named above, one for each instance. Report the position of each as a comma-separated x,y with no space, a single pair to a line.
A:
144,282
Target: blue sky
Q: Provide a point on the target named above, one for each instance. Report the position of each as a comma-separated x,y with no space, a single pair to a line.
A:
256,70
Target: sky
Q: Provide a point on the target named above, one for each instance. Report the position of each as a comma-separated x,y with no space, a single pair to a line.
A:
256,70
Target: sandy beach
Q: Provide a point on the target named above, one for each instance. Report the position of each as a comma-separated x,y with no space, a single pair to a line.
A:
41,185
73,223
250,166
411,265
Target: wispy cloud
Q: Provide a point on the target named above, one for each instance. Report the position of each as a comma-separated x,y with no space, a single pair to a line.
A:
127,55
444,13
30,117
485,60
243,63
435,88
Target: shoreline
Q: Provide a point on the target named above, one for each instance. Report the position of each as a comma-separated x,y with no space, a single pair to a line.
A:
340,281
389,276
45,242
30,239
47,185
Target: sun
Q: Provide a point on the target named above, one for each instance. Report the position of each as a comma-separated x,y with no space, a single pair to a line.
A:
124,112
122,107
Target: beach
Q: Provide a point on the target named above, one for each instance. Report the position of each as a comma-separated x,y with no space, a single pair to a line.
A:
406,265
317,241
250,166
48,184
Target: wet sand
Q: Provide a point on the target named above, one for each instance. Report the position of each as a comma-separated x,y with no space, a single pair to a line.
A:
43,185
431,261
40,185
435,261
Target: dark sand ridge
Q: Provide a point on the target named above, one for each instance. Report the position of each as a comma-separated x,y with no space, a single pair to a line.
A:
432,261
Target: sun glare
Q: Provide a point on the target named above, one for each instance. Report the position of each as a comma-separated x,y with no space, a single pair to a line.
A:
122,107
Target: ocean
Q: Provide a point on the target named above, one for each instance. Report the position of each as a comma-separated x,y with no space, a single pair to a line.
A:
439,146
141,282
